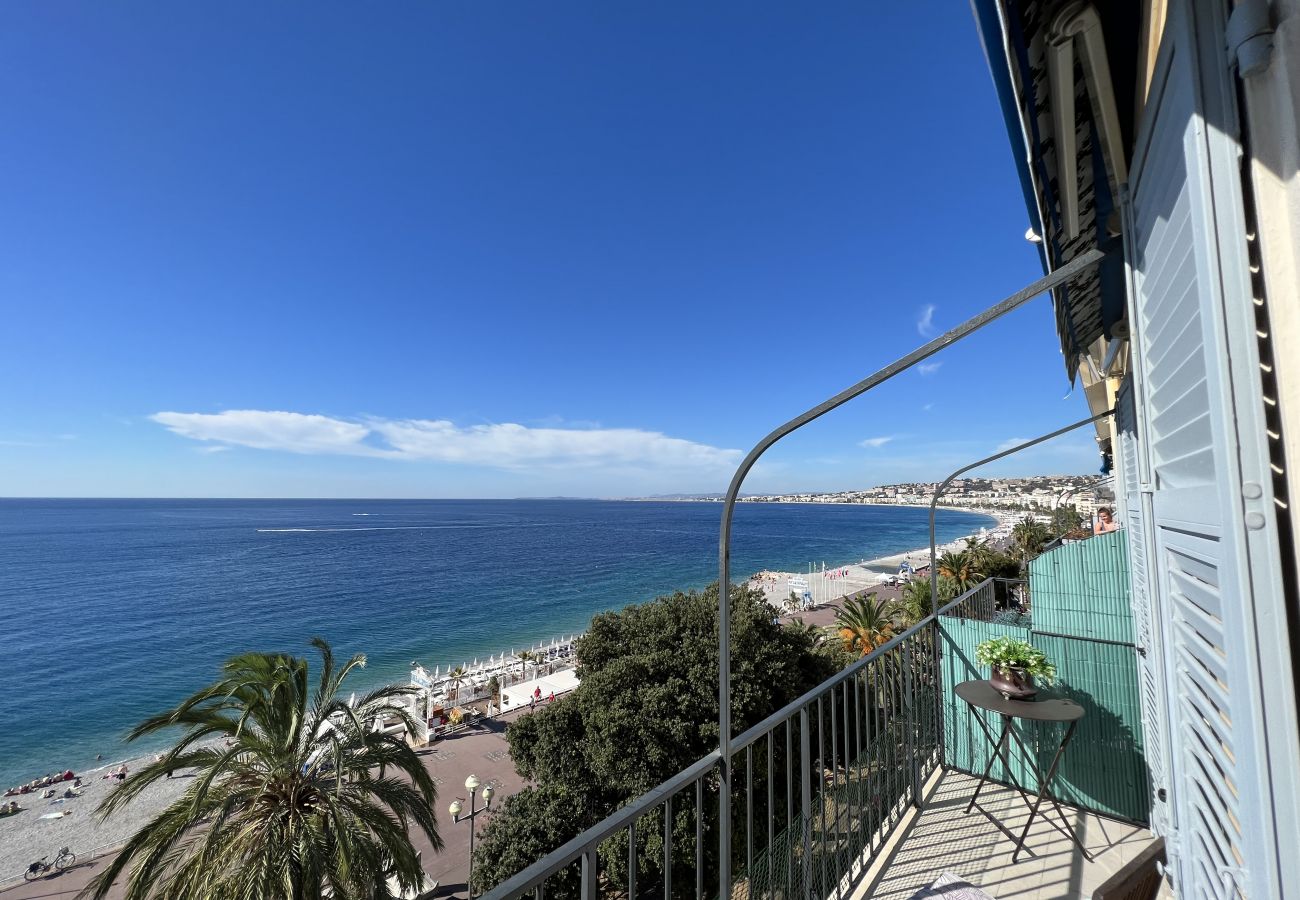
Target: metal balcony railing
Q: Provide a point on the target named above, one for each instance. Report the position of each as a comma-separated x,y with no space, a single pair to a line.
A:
818,789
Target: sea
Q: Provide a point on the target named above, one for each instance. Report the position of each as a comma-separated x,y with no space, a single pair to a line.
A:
113,610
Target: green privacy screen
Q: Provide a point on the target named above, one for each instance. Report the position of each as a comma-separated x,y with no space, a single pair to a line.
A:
1082,589
1103,770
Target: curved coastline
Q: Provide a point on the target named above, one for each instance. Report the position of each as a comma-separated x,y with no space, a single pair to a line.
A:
587,594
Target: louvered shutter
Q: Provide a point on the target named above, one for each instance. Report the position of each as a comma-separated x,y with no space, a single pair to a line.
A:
1147,626
1186,250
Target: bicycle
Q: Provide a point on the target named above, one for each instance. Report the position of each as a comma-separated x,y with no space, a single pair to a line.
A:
40,869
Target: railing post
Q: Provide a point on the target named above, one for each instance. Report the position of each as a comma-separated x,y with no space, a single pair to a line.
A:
668,847
590,874
909,711
805,790
940,710
631,861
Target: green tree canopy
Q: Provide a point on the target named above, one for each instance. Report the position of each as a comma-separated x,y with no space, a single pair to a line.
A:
647,708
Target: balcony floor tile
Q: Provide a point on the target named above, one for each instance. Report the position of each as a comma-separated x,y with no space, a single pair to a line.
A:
942,838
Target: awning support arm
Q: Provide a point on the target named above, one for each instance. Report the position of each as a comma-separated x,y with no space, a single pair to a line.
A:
1065,273
934,501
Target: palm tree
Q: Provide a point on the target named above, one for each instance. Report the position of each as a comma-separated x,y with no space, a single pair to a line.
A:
526,657
916,600
980,552
815,635
865,623
1028,535
457,676
298,799
960,567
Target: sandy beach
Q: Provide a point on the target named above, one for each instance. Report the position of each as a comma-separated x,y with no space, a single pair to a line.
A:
831,587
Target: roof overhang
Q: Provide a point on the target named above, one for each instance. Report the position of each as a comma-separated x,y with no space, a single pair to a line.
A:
1066,76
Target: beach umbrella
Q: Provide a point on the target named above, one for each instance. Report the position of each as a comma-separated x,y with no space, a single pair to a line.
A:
352,701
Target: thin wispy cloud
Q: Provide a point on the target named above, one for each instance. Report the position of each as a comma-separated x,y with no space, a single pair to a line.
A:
36,440
929,368
1010,442
925,321
504,446
877,442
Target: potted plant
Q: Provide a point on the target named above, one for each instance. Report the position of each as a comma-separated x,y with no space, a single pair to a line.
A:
1015,664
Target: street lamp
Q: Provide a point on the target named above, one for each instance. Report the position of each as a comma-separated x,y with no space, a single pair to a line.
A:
471,784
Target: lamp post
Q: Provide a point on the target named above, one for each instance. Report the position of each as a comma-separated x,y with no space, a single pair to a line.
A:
471,785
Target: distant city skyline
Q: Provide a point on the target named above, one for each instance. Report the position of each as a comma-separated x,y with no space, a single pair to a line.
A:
506,252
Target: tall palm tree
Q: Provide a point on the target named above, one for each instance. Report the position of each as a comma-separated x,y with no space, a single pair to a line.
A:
457,676
1029,535
526,657
980,552
293,796
960,568
865,623
916,600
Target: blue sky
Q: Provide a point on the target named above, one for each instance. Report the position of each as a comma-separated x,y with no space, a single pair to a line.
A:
495,249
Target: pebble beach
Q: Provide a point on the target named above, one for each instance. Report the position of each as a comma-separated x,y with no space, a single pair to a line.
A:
25,836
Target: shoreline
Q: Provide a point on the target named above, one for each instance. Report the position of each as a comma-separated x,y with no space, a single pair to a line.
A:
128,755
26,834
861,575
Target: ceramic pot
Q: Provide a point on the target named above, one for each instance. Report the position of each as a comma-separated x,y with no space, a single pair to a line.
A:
1013,682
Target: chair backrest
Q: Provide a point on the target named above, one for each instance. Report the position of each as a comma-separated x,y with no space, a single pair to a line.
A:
1139,879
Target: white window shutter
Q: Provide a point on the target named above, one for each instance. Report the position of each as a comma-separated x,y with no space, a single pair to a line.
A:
1198,568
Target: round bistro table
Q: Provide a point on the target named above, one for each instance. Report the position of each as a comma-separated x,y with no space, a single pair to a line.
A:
980,695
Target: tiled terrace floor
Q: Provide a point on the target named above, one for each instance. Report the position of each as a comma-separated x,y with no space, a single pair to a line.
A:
942,838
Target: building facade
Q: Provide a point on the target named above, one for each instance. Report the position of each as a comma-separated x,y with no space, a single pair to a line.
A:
1165,135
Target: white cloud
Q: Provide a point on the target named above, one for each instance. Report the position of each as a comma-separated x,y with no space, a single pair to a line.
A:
270,430
505,446
928,407
929,368
925,321
1010,442
875,442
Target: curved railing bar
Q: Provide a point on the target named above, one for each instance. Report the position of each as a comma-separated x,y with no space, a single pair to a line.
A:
934,501
1077,265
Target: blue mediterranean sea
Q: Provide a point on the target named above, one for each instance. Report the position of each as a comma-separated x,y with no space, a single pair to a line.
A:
116,609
